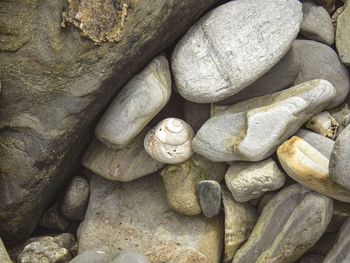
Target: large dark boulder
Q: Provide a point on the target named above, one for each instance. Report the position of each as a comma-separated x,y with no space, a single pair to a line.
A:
61,62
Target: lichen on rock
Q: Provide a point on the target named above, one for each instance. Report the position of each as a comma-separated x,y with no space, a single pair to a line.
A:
98,20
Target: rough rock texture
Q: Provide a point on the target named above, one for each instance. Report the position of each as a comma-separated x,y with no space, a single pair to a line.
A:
319,142
130,257
340,251
290,224
209,194
252,130
4,256
75,200
48,249
339,165
247,181
136,216
180,181
343,35
126,164
279,77
136,104
240,219
323,124
232,46
45,67
53,219
309,167
317,24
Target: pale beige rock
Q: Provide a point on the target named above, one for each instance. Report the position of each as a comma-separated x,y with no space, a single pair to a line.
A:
135,215
180,181
309,167
323,124
126,164
240,219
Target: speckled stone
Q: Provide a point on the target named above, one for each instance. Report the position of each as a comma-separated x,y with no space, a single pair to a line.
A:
209,194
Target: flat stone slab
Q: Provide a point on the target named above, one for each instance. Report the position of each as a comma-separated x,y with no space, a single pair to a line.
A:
232,46
135,216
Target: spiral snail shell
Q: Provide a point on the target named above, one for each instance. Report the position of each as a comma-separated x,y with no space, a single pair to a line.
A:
170,141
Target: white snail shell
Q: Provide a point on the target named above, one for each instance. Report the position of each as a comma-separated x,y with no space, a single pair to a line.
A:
170,141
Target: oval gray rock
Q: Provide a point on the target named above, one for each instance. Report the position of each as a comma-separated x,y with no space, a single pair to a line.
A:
252,130
209,195
136,104
232,46
249,180
339,165
126,164
340,251
291,223
76,198
317,24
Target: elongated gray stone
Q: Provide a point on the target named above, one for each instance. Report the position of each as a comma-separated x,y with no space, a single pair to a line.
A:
76,198
135,215
126,164
343,35
339,164
340,251
317,24
252,130
291,223
232,46
130,257
136,104
209,195
247,180
323,144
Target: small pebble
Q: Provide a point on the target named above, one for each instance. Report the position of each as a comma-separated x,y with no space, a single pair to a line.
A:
209,194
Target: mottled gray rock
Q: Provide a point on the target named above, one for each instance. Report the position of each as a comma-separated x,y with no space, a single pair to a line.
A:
323,124
218,56
55,82
340,251
75,200
180,182
252,130
4,256
130,257
53,219
341,211
135,215
339,165
93,256
317,24
126,164
209,194
311,259
343,35
306,165
323,144
240,219
279,77
290,224
48,249
310,55
196,114
248,180
136,104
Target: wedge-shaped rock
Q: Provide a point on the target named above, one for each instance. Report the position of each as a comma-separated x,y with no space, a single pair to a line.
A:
291,223
232,46
240,219
180,181
135,215
252,130
340,251
339,166
317,24
136,104
247,180
309,167
126,164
